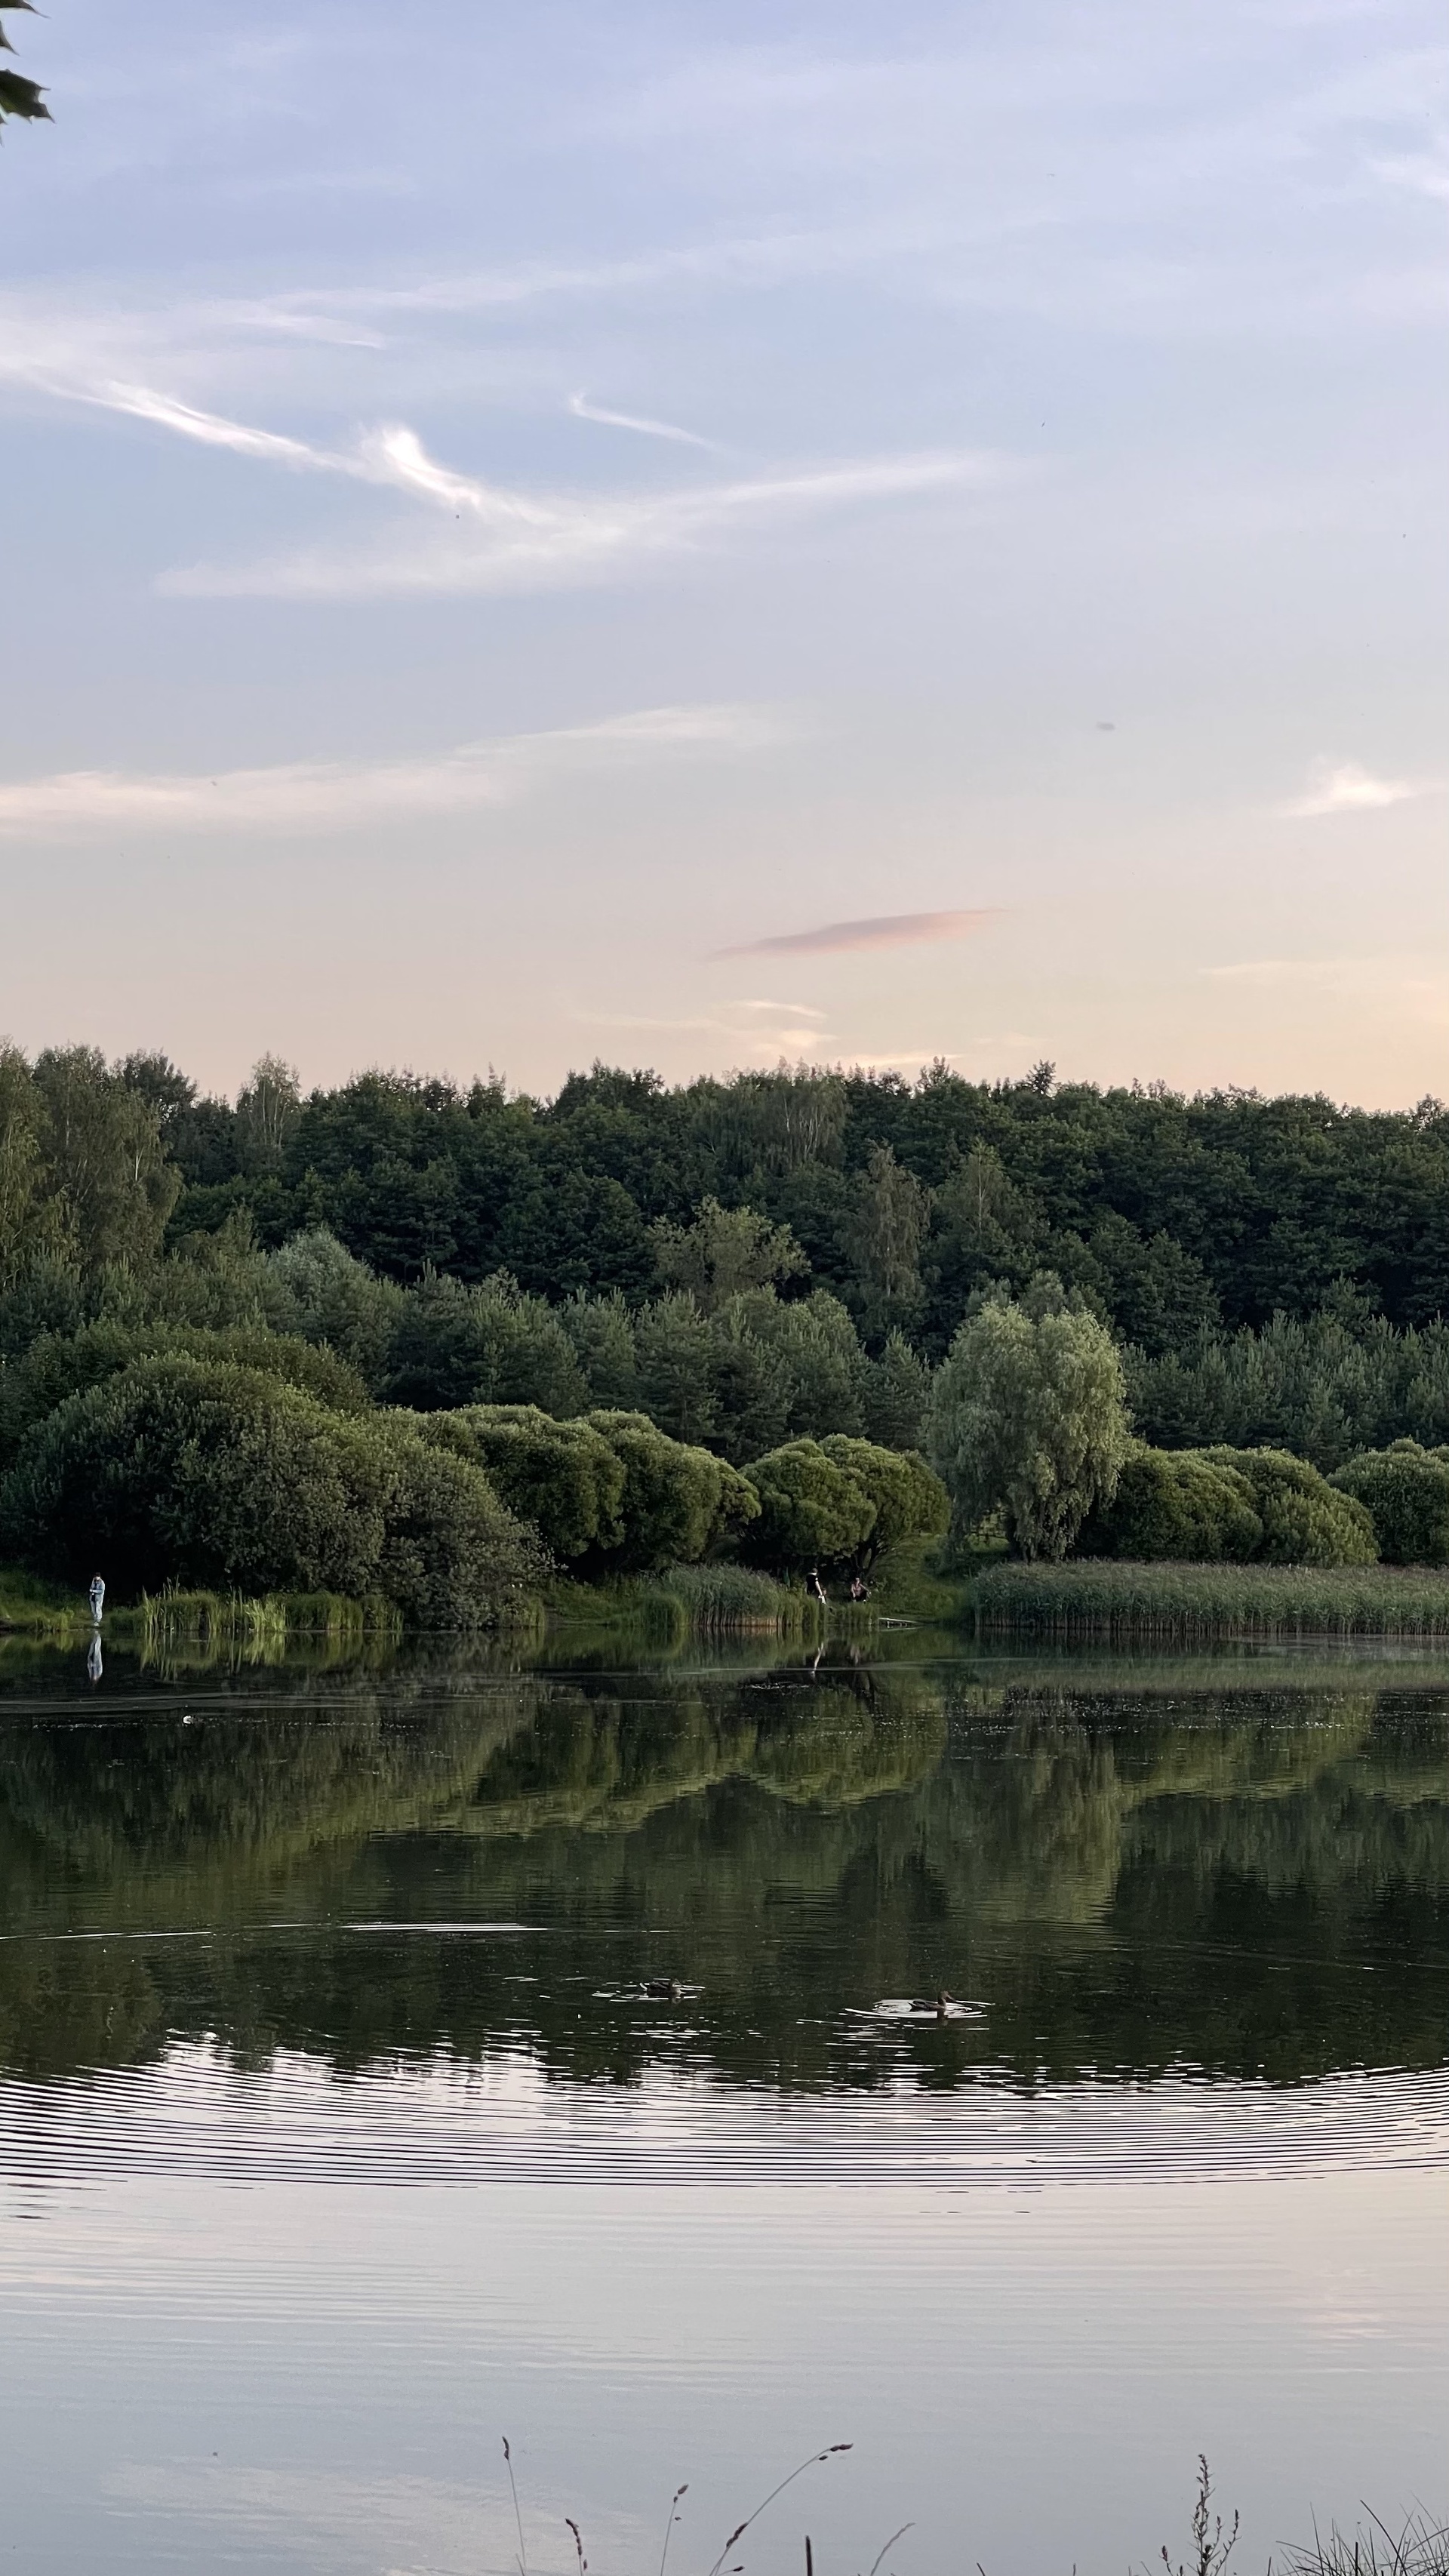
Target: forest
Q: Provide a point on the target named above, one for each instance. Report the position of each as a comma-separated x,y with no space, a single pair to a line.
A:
650,1323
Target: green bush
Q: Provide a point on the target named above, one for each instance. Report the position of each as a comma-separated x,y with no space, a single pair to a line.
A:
563,1476
1405,1490
1177,1504
909,1501
212,1476
1304,1521
62,1364
813,1510
678,1503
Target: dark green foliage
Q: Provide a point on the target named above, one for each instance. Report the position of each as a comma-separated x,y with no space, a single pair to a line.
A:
1168,1214
180,1471
1340,1381
18,96
1175,1504
1304,1521
814,1510
59,1365
453,1345
565,1477
909,1501
678,1502
1405,1489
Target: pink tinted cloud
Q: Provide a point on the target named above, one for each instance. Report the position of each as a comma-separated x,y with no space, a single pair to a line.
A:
883,930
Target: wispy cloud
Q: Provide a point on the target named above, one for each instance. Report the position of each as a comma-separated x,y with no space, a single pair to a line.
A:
583,409
503,539
327,796
884,930
1348,789
509,540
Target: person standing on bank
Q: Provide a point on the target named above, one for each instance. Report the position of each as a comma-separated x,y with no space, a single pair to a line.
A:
97,1597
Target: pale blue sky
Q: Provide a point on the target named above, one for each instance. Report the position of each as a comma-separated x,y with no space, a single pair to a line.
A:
502,504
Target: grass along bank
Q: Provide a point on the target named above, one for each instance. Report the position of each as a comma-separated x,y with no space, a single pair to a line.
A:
1105,1597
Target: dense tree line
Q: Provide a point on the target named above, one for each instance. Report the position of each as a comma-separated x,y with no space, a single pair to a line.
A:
1171,1214
761,1274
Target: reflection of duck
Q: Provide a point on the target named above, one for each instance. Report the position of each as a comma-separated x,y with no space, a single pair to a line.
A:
938,2004
664,1990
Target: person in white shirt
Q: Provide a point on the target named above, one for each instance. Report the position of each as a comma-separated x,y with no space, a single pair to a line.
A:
97,1597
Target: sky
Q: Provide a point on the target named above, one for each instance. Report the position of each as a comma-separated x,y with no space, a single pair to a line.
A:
694,535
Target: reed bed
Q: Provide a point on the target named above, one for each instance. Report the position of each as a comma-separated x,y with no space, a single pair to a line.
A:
1103,1597
212,1627
722,1599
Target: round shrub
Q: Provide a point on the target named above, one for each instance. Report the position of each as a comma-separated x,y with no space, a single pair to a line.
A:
61,1364
812,1510
207,1475
563,1476
1405,1490
1175,1503
1305,1522
909,1501
678,1502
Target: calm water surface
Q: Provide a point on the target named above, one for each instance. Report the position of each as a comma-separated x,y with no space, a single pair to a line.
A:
339,2135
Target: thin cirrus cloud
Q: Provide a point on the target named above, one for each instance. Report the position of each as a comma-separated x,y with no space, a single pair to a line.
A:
1349,789
324,796
497,539
882,930
583,409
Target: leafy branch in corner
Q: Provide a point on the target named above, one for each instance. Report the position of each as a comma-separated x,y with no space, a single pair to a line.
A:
18,96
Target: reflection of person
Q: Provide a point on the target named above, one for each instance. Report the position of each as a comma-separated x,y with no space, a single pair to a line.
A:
95,1663
97,1597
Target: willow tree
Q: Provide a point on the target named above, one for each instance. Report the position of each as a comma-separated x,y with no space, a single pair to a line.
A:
1028,1418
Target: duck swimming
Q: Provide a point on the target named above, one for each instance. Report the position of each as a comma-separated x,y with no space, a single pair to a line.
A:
938,2004
663,1990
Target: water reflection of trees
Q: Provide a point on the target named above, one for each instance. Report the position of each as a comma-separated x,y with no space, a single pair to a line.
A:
1246,1881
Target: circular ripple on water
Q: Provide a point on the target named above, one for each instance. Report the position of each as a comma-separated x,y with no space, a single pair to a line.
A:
418,2122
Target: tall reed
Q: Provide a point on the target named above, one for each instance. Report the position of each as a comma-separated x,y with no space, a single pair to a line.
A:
1105,1597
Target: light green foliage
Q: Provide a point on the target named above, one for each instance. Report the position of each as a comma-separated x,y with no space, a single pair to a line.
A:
678,1502
453,1345
1093,1596
1175,1503
317,1289
1304,1521
724,1251
1027,1418
909,1501
105,1169
268,1108
192,1473
563,1476
813,1510
59,1365
1405,1489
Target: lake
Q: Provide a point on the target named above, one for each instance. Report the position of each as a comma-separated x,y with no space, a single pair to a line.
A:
340,2136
